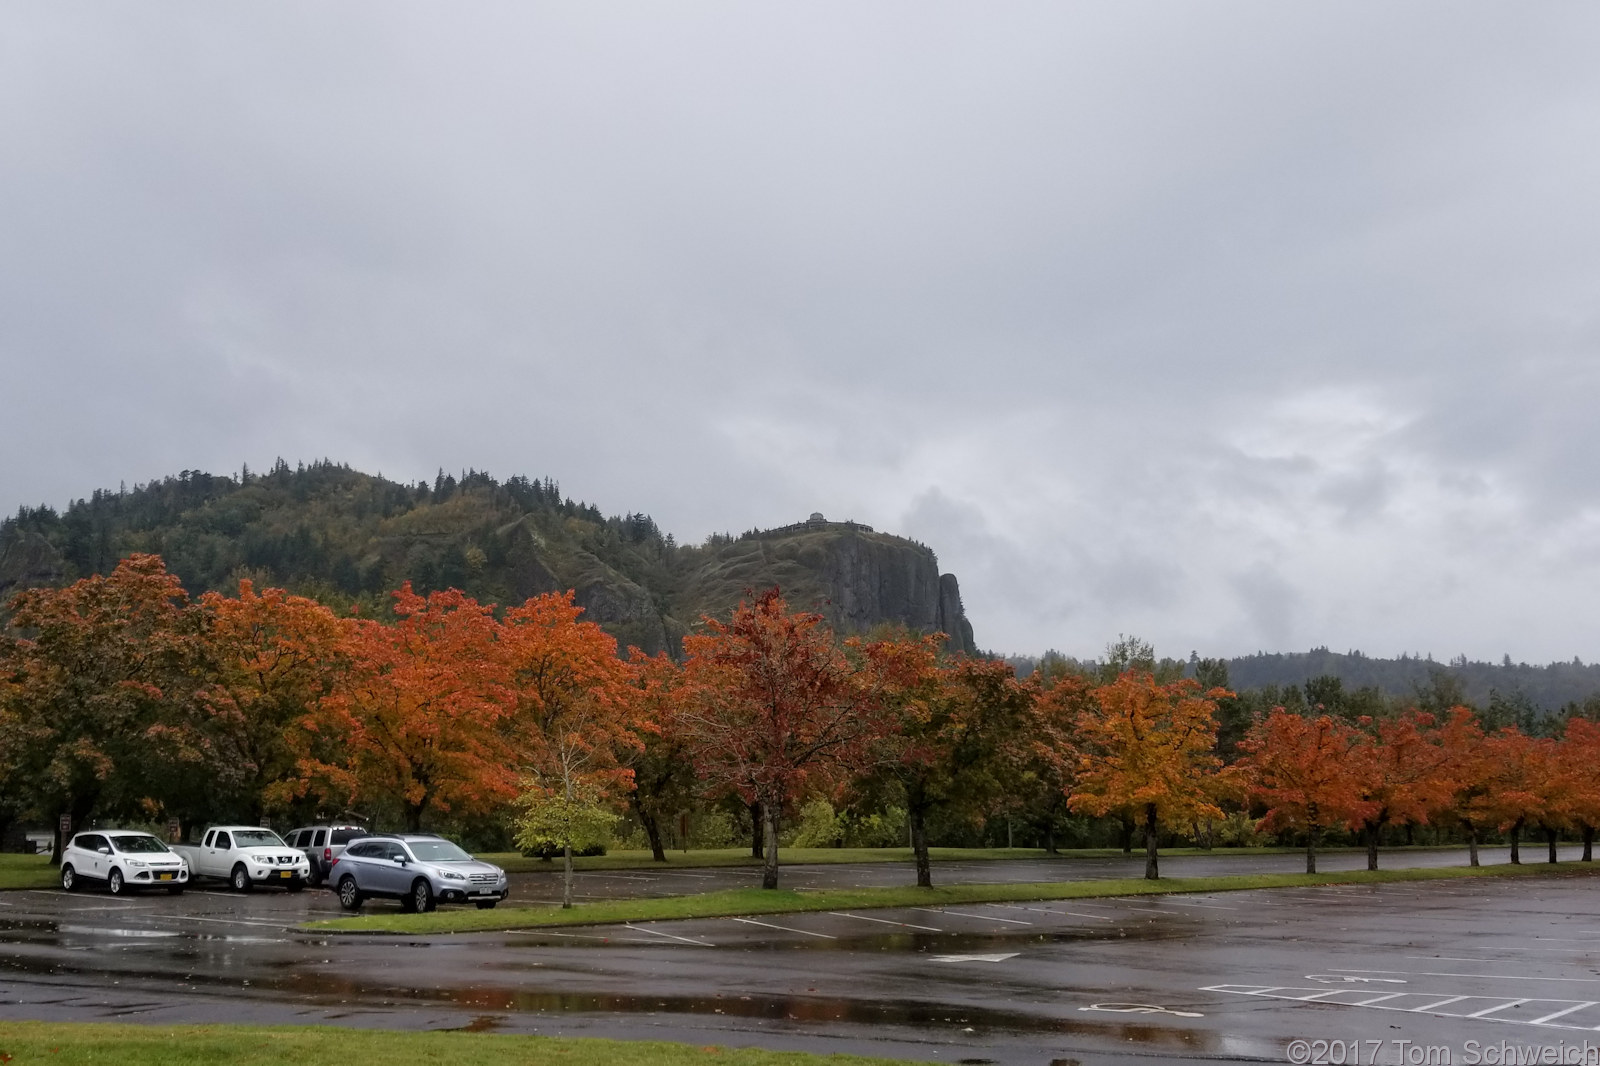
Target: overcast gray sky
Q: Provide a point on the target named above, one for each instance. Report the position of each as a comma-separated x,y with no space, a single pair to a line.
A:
1232,326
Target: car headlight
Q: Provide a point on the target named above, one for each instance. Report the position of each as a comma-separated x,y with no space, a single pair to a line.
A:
451,875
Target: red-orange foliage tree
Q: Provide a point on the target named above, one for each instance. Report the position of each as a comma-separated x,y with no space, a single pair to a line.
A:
572,710
1148,754
270,657
776,704
1403,773
421,712
951,726
1468,776
110,666
1300,770
1579,756
663,771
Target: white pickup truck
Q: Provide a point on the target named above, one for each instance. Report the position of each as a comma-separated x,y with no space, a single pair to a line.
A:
246,856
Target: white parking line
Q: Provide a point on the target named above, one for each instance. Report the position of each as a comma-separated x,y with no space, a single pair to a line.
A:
785,928
1187,903
1480,976
1503,1006
674,936
1442,1003
581,936
1561,1013
885,921
980,917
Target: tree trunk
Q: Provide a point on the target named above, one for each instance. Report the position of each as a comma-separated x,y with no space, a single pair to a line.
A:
1472,844
917,812
1152,871
566,876
1516,841
1312,832
1411,833
1125,831
1550,839
769,870
1050,837
1588,843
1372,845
756,850
652,829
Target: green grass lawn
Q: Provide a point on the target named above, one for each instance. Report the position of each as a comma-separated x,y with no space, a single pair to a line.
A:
63,1043
635,860
750,901
28,871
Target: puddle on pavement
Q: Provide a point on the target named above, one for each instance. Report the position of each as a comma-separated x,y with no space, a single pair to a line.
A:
489,1005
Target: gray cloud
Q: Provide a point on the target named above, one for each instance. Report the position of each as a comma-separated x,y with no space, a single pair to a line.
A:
1224,326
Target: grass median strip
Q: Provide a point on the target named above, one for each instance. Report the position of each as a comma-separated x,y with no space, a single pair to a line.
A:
64,1043
28,871
726,857
746,902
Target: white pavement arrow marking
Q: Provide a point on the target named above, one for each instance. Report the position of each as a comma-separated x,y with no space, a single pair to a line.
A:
1333,978
1141,1008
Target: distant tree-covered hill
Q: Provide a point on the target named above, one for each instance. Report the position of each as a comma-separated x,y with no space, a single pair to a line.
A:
350,538
1507,692
1548,688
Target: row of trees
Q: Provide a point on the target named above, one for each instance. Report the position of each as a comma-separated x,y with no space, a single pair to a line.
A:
122,698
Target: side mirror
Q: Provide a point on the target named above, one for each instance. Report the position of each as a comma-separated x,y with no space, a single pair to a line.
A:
105,851
401,859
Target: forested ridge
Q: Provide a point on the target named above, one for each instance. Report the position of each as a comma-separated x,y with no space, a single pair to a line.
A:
347,539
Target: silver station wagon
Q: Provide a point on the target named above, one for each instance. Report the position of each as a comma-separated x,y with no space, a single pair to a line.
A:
418,870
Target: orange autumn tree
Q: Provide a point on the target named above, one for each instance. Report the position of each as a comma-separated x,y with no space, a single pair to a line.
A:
420,713
1403,770
1148,754
664,781
950,728
270,656
1300,770
1520,779
1578,757
1048,750
102,679
776,707
1468,773
572,722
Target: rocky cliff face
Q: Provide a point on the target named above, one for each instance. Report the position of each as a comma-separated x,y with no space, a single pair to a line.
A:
854,577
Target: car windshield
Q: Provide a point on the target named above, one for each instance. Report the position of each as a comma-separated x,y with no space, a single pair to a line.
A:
438,851
256,838
137,843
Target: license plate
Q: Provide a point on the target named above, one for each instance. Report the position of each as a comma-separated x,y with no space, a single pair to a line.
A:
164,877
285,873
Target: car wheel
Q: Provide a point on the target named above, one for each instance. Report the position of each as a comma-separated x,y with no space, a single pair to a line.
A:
349,895
69,878
314,878
174,890
487,904
114,883
422,897
240,880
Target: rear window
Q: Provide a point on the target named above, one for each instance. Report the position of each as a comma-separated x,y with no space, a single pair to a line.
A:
317,841
345,836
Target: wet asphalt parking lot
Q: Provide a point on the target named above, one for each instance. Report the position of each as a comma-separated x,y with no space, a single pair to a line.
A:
1384,974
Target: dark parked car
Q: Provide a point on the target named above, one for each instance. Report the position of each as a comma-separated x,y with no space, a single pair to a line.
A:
323,844
419,871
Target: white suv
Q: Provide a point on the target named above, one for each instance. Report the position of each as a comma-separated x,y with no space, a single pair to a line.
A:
123,859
